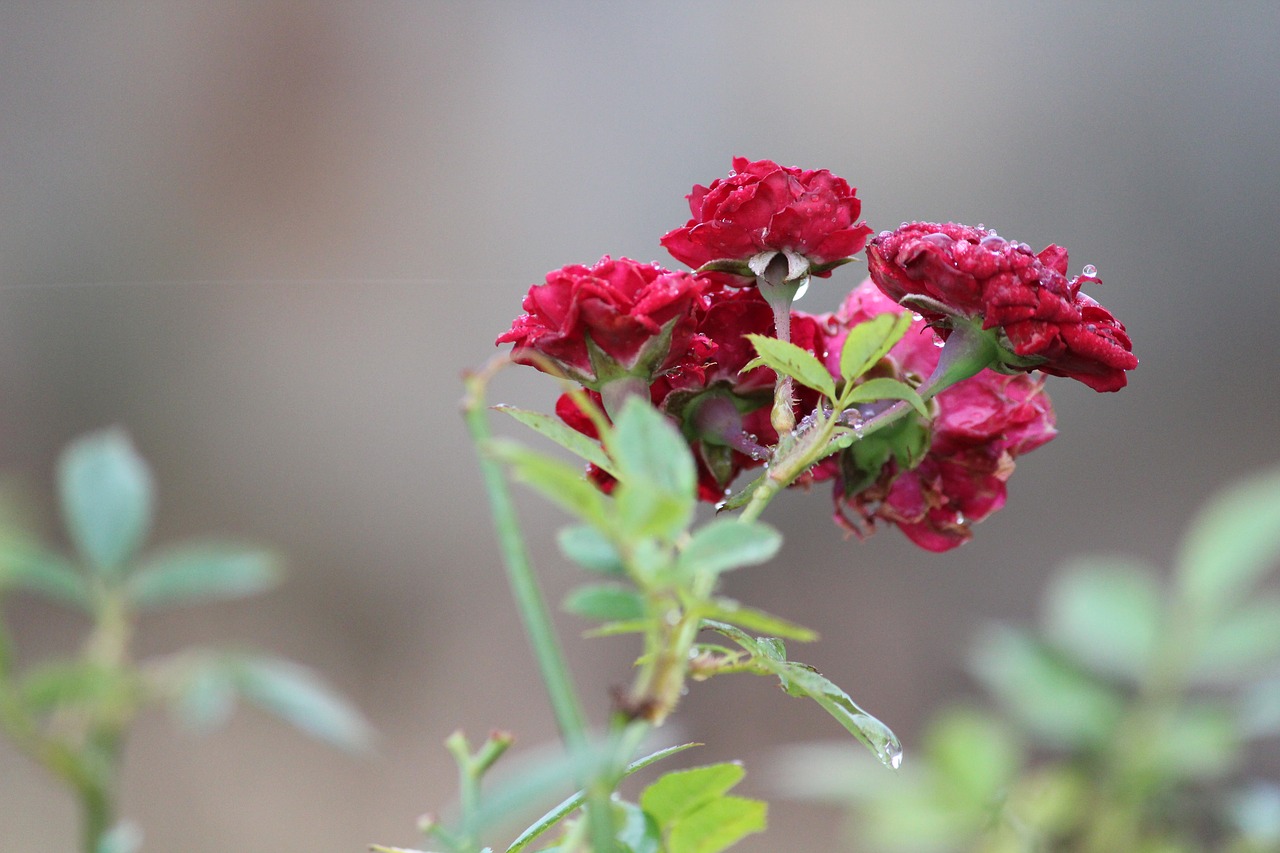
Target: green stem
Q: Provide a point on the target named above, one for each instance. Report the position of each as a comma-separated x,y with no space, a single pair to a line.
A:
532,605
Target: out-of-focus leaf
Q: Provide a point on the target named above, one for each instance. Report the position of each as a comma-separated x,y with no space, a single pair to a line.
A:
76,683
1243,644
789,359
757,621
682,791
884,388
727,543
560,483
295,695
591,549
974,754
558,431
1260,709
1233,542
606,602
1056,701
204,693
1106,614
870,341
1195,741
198,573
106,492
28,566
124,837
1255,811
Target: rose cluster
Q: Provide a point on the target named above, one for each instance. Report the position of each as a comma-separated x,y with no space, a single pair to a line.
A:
622,326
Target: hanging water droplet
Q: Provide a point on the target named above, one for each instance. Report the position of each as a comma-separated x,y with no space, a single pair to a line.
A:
939,343
895,759
1089,271
917,316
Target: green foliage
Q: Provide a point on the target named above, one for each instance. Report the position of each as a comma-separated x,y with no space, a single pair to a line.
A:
790,360
107,493
870,341
72,715
1121,725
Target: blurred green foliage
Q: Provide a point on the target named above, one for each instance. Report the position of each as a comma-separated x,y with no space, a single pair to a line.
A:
1122,723
71,715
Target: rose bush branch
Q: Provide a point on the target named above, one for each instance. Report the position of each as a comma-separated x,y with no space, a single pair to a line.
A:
912,400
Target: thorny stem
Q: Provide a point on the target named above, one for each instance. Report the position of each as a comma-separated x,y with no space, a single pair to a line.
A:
530,602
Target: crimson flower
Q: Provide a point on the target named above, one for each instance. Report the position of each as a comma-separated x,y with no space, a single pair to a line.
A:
763,207
954,271
982,424
619,317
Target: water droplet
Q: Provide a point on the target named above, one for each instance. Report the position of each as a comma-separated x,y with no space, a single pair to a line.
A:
895,759
1089,271
939,343
961,520
917,316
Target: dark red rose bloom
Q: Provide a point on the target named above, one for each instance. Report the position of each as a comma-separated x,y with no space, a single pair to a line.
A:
762,206
623,306
982,424
951,270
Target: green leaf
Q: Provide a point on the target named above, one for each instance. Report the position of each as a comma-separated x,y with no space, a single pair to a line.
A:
199,573
1055,700
717,826
884,389
1232,544
558,431
297,696
606,602
787,358
803,680
560,483
26,565
649,449
657,478
591,549
1106,614
680,792
728,543
106,493
870,341
1240,646
757,621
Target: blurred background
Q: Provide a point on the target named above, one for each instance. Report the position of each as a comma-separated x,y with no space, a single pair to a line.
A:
267,236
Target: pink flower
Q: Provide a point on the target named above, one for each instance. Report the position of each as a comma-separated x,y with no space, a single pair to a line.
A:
948,271
762,207
982,424
639,317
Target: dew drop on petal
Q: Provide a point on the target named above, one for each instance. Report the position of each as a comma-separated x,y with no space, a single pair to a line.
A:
1089,271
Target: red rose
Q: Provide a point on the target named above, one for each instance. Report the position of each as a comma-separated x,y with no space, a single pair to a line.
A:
982,424
764,207
641,317
951,270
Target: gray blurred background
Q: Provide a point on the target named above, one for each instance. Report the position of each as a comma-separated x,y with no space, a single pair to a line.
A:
268,236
